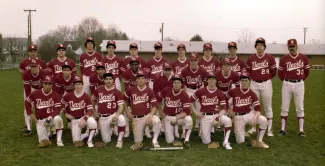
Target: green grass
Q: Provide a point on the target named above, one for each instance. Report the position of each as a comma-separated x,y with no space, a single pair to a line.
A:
289,150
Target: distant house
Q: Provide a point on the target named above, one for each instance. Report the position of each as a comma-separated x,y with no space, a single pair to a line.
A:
18,49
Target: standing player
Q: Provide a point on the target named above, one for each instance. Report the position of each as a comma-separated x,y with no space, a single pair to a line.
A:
110,104
143,105
176,111
155,64
63,81
164,79
133,49
79,109
246,109
113,63
181,61
47,109
262,68
237,65
97,79
209,62
55,65
226,77
194,77
212,100
32,54
32,79
129,76
293,70
88,62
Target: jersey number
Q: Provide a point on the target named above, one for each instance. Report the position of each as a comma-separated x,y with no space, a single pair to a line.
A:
300,72
111,105
148,105
48,110
93,68
265,71
178,110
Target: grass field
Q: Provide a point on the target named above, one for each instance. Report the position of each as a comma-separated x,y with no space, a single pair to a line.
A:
289,150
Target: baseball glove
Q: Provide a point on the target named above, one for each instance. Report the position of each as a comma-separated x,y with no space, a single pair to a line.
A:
177,144
47,123
136,146
213,145
78,144
44,143
99,144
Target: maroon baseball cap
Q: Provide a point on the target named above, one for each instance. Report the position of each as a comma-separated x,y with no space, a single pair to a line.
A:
89,39
167,66
245,75
226,61
177,77
111,43
211,75
158,45
32,47
232,44
194,56
292,42
59,46
207,46
33,63
181,46
100,65
77,79
134,59
47,79
133,45
140,73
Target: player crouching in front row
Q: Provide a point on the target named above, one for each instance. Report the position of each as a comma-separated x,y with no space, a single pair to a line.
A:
110,104
79,109
246,109
176,111
47,108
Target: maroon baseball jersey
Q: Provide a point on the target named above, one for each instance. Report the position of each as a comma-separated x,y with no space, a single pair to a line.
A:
261,68
294,67
24,65
63,85
179,65
126,63
140,100
243,100
45,104
237,65
77,106
113,65
95,81
33,81
209,100
129,78
174,102
211,65
55,66
224,83
88,63
194,79
155,66
107,100
160,81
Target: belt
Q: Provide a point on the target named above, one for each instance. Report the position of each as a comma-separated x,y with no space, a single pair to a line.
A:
139,116
243,113
170,115
104,115
40,118
206,113
293,81
74,118
259,81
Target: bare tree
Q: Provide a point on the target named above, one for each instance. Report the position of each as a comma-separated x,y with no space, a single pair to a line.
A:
11,44
64,33
314,41
245,36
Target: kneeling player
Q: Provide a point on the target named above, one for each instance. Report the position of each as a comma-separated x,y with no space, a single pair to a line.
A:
211,99
244,100
79,109
176,110
47,108
110,108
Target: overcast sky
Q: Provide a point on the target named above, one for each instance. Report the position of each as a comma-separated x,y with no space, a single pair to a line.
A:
216,20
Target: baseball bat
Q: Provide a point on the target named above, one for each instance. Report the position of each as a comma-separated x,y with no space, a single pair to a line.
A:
161,149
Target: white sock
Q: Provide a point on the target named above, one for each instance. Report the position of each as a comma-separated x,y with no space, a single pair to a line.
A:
283,124
261,134
188,133
120,136
155,136
212,129
226,135
269,124
84,135
91,134
28,124
301,124
176,129
59,135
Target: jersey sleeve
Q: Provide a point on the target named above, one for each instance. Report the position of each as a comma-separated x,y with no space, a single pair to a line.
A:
255,102
27,86
57,105
282,68
81,65
152,98
94,96
306,67
28,103
186,104
57,86
195,96
127,94
92,84
161,94
236,79
229,94
222,99
242,66
50,68
74,67
218,65
119,98
273,66
249,65
21,67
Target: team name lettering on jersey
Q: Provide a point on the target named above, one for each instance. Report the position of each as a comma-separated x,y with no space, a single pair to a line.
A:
105,98
224,84
57,68
91,62
257,66
209,101
38,82
209,68
44,104
235,67
76,106
179,69
242,102
191,80
294,66
156,69
110,66
171,103
140,99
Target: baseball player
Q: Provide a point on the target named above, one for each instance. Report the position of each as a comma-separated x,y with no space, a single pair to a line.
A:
110,104
143,103
47,109
32,54
63,81
181,62
88,62
113,63
226,77
96,80
209,62
79,109
32,79
155,64
194,77
212,100
129,76
55,65
237,64
262,68
293,70
164,79
176,110
133,50
246,109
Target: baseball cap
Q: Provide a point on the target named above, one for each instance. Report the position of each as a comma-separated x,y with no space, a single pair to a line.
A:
167,66
59,46
108,75
226,61
134,59
32,47
292,42
158,45
140,74
100,65
181,46
207,46
33,63
47,79
66,66
211,75
133,45
245,75
232,44
177,77
193,56
89,39
77,79
111,43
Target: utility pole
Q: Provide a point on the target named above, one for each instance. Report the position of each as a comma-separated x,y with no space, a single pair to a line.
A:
162,31
305,30
29,24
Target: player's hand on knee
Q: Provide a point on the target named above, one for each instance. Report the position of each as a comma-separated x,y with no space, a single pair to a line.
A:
70,117
33,117
115,118
199,115
173,121
162,114
149,120
82,123
130,116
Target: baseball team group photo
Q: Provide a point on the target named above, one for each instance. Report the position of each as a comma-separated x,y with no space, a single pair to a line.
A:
112,99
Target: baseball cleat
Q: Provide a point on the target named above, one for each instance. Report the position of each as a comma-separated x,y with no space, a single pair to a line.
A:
262,145
302,134
252,130
227,146
90,144
155,145
177,135
282,133
136,146
28,133
270,133
187,144
246,134
60,144
119,144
